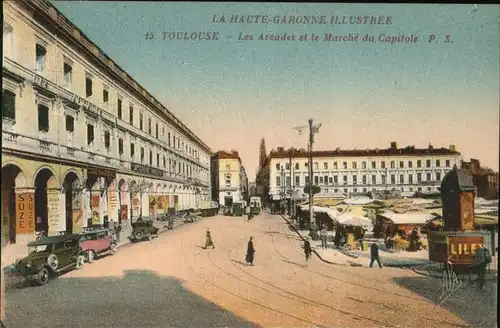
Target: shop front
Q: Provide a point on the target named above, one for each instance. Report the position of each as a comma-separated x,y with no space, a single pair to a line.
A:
39,197
101,193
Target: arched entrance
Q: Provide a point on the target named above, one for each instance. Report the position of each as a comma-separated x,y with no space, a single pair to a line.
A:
123,200
44,180
72,193
12,177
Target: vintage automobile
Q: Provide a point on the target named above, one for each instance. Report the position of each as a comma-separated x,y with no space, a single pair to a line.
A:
49,257
143,229
98,242
192,217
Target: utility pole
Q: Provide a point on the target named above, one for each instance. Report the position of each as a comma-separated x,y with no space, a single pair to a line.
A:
313,129
386,190
292,187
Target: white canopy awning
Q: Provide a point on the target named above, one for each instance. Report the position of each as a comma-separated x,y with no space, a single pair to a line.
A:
408,217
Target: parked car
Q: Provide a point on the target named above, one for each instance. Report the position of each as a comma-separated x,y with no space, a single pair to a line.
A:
49,257
97,243
143,229
192,217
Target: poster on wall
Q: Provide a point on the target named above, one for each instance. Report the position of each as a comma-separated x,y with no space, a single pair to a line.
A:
112,203
152,206
77,212
160,204
96,204
136,206
53,210
123,213
25,214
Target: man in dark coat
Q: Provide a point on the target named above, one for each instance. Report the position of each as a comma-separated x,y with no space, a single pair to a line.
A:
250,252
481,260
209,241
374,255
307,249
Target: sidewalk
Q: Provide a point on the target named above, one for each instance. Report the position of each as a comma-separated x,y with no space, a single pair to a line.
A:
12,252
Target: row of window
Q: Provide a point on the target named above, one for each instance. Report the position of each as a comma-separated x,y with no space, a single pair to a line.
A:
8,111
354,165
365,190
43,126
41,57
326,180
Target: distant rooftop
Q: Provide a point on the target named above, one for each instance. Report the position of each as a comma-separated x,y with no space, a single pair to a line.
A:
391,151
223,154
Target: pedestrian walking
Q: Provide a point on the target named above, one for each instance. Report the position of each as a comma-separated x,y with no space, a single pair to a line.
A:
250,252
170,222
307,249
209,241
481,260
324,238
374,255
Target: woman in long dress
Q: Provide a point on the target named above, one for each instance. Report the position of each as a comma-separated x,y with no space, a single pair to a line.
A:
250,252
209,241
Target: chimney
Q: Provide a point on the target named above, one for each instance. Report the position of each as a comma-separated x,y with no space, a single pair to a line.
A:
431,147
452,148
280,149
337,149
394,145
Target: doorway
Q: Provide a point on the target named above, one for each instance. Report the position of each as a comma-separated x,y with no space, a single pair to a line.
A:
41,208
72,194
12,177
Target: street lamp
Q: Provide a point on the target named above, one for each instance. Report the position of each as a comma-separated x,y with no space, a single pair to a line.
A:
313,129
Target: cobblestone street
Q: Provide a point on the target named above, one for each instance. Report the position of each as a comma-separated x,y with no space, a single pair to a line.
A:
172,281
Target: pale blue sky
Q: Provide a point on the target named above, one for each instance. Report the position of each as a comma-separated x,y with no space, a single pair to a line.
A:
233,93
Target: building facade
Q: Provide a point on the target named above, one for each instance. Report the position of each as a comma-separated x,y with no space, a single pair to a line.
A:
229,180
100,145
485,179
347,172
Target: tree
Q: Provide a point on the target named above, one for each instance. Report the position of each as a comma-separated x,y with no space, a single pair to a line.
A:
315,190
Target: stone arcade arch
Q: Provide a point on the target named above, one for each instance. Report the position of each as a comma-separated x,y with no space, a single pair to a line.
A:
74,206
47,201
13,178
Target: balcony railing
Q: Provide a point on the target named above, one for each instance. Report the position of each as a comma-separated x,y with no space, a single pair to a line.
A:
30,76
32,145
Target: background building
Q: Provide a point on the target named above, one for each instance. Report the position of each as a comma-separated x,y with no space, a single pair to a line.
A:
252,189
81,138
262,152
229,180
346,172
485,179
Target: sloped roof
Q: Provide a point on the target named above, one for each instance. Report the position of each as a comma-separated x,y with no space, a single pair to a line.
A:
457,178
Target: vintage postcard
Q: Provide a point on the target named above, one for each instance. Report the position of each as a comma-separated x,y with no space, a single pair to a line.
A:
192,164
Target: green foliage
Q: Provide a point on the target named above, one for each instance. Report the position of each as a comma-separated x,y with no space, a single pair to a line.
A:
315,189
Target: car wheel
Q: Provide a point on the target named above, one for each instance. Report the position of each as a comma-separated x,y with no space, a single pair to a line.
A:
138,235
43,276
113,248
90,256
80,260
53,261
